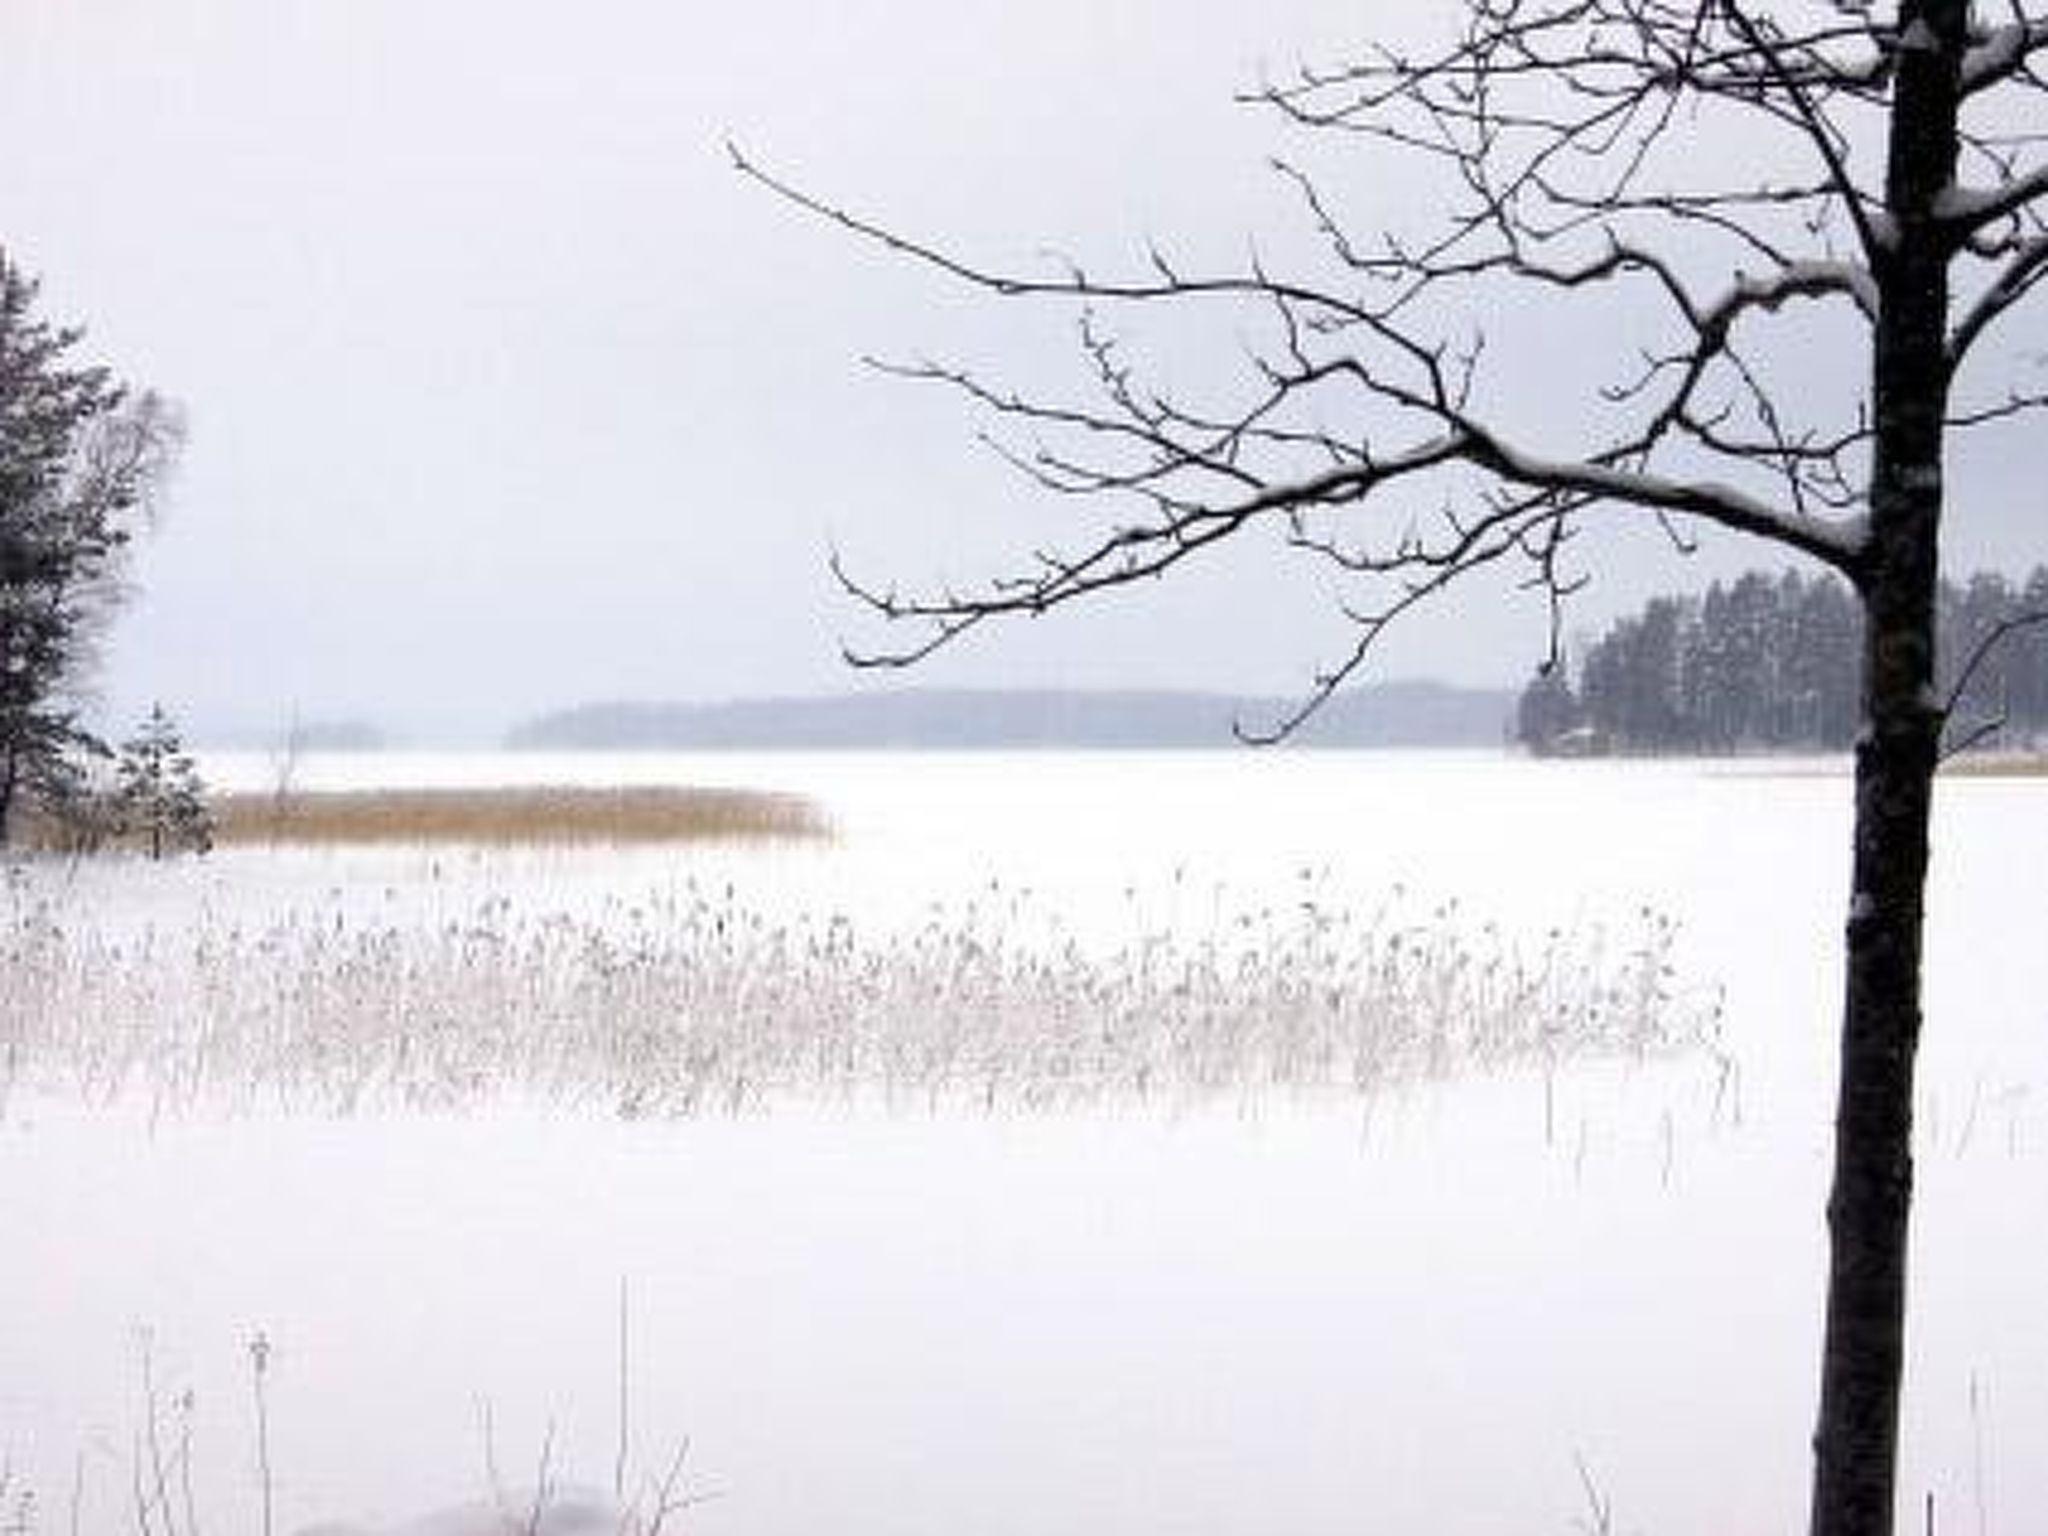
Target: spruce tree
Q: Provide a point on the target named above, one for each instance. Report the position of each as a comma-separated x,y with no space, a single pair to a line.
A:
158,790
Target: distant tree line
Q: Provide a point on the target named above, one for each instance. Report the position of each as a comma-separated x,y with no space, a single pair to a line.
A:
1771,663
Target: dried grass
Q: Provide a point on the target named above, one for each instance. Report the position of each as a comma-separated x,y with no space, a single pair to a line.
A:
1997,765
513,816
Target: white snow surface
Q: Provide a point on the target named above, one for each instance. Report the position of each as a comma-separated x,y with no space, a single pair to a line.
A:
544,1511
1418,1312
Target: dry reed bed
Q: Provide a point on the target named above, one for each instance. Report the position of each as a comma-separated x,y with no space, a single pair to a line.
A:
694,1003
1997,765
507,816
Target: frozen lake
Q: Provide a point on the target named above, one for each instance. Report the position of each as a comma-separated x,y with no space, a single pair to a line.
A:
1422,1308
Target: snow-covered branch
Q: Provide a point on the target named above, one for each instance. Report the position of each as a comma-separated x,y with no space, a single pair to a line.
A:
2001,52
1835,541
1965,210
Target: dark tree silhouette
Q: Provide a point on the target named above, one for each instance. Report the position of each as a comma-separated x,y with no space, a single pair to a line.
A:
1771,665
80,459
1708,191
1766,665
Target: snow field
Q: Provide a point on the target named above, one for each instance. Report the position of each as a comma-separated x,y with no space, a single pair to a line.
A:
1304,1307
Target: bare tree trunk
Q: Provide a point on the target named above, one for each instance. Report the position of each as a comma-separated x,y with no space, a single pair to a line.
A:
1855,1445
1856,1441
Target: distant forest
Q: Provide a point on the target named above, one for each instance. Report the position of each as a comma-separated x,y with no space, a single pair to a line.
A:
1383,715
1770,664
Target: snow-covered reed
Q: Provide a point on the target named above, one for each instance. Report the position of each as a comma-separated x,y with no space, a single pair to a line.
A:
692,1000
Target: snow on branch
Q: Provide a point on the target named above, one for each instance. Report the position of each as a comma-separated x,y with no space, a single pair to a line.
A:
2020,275
2002,52
1965,210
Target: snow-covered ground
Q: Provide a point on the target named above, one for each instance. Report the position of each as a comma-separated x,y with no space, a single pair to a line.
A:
1421,1308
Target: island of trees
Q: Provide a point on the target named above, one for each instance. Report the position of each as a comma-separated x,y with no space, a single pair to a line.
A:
1769,663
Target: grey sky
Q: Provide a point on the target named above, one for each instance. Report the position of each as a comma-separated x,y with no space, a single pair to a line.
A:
506,392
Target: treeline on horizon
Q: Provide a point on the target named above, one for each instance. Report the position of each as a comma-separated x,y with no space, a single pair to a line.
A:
1770,663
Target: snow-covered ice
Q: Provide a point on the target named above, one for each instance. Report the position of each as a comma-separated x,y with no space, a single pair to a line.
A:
1416,1310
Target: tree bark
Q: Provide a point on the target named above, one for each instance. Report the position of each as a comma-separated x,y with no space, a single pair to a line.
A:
1856,1440
1855,1444
10,778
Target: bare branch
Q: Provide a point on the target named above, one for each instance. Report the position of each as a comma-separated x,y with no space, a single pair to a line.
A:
1821,131
1566,136
1987,644
1075,284
2012,284
1975,736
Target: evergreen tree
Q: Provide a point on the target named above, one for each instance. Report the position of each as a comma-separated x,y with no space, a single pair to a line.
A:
1750,673
1548,711
1818,669
1971,616
159,794
1770,664
2030,663
80,459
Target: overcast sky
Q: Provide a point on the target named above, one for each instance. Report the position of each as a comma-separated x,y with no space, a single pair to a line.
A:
506,392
